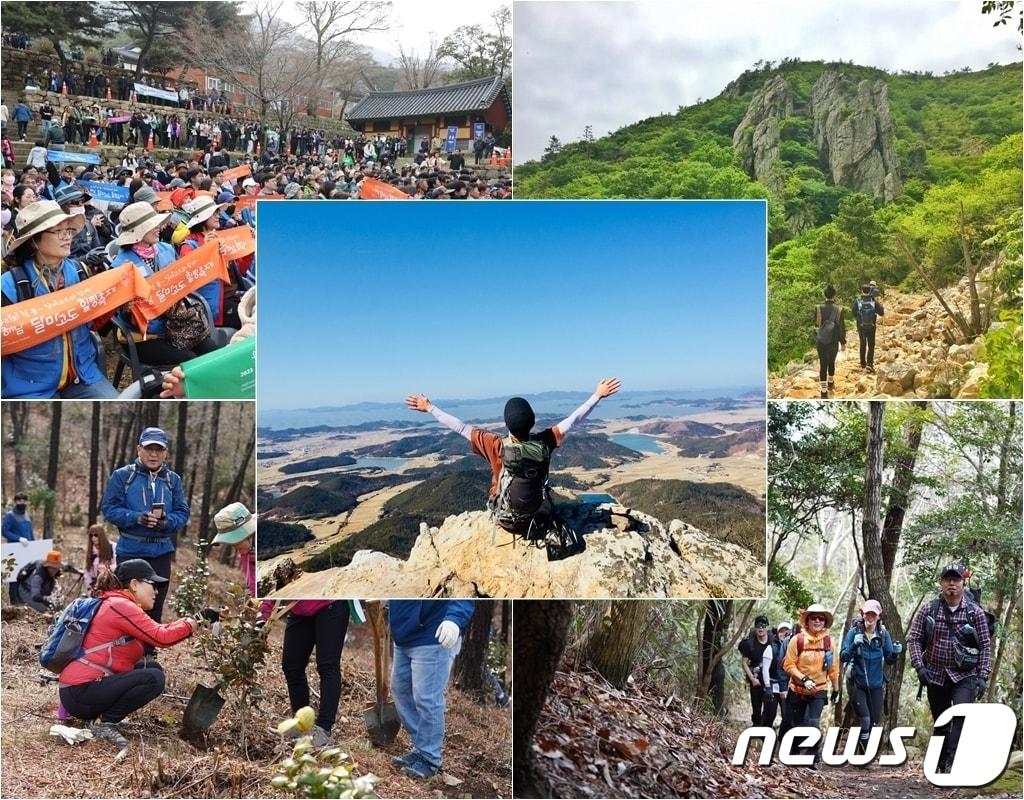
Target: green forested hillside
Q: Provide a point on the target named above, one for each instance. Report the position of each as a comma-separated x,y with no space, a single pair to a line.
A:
956,139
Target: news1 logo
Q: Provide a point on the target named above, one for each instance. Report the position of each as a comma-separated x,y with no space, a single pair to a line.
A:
986,738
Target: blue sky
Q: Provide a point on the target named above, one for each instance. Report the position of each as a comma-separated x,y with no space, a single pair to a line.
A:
374,300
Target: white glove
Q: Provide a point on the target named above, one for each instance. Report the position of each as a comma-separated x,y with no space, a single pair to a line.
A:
69,734
23,541
447,634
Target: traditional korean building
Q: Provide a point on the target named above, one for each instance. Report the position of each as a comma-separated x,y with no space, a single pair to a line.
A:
425,113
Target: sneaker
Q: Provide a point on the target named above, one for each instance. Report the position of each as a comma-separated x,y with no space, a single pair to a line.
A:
503,700
870,368
320,737
403,760
419,769
109,731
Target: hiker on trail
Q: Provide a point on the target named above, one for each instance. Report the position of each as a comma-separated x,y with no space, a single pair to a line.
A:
99,555
427,636
16,526
519,462
758,661
781,678
36,582
69,365
866,646
812,664
949,647
866,311
830,339
146,501
107,684
875,291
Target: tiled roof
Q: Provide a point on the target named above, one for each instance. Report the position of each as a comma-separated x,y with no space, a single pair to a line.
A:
459,98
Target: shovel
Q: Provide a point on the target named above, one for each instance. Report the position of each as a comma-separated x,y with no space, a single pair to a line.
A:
202,709
382,722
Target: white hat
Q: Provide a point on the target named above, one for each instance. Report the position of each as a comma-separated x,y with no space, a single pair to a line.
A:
136,221
201,209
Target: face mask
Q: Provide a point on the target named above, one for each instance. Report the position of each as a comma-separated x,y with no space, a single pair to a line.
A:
8,180
76,210
20,507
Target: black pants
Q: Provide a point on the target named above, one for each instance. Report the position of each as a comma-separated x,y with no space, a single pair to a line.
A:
161,566
22,129
768,708
807,712
867,345
113,698
868,705
786,720
939,699
161,351
762,706
325,630
827,360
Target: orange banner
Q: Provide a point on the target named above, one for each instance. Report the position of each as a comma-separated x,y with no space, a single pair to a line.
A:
234,242
185,275
32,322
373,189
236,172
249,201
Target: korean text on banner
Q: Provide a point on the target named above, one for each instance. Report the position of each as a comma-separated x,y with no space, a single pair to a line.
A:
234,242
184,276
372,189
110,192
39,319
225,374
236,172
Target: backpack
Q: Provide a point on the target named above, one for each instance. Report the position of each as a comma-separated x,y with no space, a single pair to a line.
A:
25,571
965,651
866,312
64,643
187,323
23,285
826,649
522,483
828,331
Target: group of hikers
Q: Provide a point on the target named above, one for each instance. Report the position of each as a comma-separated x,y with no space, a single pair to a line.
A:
830,337
799,668
57,236
118,671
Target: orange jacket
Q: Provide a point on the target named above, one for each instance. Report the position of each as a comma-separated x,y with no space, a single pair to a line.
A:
810,663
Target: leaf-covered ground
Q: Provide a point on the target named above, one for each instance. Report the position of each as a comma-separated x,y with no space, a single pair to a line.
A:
594,740
477,757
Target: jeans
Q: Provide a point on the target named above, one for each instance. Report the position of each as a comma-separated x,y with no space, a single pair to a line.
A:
419,676
325,630
807,712
939,699
113,698
100,390
22,129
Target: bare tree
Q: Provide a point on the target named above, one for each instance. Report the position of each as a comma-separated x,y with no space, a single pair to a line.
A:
56,413
94,463
420,72
208,475
616,642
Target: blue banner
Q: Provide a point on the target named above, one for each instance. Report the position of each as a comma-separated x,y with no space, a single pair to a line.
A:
479,130
453,133
110,192
56,156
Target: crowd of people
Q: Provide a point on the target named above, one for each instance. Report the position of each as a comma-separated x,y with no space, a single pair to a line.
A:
799,669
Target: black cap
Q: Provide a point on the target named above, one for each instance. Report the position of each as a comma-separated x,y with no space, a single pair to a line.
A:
519,417
761,621
953,569
136,569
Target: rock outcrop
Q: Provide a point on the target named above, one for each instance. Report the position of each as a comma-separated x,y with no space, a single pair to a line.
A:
919,353
757,138
628,554
853,131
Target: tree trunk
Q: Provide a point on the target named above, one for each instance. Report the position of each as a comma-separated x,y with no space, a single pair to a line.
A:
94,463
57,410
472,659
235,491
211,465
615,644
899,495
19,430
878,579
1007,620
716,621
541,629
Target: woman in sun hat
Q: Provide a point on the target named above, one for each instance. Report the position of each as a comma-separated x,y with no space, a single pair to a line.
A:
138,236
812,665
866,646
203,218
68,365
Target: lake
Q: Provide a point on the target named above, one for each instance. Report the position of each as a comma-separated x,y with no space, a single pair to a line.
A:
638,441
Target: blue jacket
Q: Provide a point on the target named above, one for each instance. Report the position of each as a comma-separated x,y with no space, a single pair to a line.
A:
130,491
867,658
165,256
39,371
15,528
21,113
211,291
414,622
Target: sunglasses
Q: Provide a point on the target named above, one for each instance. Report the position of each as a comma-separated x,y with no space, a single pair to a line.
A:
815,619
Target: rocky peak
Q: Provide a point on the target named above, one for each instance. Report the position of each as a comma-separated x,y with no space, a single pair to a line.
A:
628,554
853,131
757,138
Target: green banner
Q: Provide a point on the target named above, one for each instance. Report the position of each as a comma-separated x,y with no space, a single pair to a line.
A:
225,374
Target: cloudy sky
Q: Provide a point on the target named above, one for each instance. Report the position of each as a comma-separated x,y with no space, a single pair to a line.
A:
609,64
